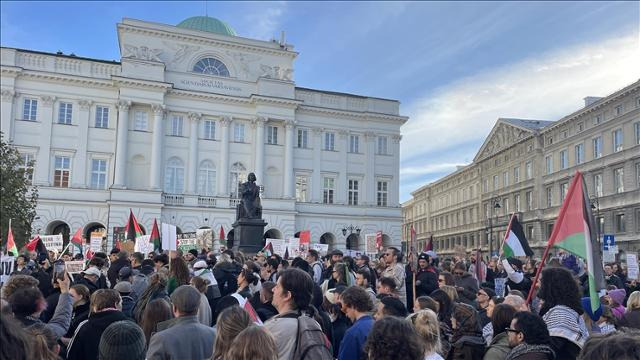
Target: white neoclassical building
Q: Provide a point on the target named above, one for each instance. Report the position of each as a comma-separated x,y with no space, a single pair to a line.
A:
172,128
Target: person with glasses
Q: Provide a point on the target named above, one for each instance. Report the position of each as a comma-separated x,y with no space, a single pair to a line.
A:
395,271
466,284
446,278
529,338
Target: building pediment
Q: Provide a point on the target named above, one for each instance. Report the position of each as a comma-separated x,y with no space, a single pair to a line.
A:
502,136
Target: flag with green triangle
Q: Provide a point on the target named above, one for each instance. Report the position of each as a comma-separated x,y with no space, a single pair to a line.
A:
155,237
515,242
132,230
575,232
77,241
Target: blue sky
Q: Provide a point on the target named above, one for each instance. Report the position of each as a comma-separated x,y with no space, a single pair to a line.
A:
455,66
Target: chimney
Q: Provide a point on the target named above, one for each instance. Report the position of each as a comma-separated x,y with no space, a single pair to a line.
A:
590,100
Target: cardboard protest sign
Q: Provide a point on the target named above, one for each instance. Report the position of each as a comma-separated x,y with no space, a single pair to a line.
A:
52,242
187,241
169,237
371,243
632,267
6,267
279,246
321,248
74,267
142,244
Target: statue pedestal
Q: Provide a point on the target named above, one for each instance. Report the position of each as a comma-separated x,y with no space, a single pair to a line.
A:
248,235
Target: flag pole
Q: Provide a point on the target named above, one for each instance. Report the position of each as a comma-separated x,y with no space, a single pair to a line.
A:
63,250
9,230
538,271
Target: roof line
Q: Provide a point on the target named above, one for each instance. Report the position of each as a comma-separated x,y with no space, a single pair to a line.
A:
113,62
344,93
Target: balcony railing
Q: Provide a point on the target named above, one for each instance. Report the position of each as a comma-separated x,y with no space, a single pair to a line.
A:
234,202
206,201
173,199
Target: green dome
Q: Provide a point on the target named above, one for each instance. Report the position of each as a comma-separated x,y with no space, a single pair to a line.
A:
208,24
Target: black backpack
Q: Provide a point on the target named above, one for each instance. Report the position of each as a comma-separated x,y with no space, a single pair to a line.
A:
311,342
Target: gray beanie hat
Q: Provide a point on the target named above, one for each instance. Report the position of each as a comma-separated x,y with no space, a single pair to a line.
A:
122,340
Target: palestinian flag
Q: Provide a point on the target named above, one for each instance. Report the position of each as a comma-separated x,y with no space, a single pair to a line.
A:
132,230
575,232
221,233
76,240
155,237
515,243
11,244
36,245
428,246
267,250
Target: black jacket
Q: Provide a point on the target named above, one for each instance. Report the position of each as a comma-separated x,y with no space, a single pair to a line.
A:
226,275
88,283
428,281
114,269
84,345
44,281
80,314
52,302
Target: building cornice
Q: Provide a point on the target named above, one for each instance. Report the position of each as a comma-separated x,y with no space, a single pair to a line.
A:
11,71
77,80
196,95
352,114
269,100
140,84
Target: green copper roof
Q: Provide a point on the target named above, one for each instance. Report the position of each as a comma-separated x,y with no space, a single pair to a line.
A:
208,24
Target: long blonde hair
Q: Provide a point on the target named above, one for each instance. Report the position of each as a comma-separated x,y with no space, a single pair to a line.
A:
427,326
253,343
633,303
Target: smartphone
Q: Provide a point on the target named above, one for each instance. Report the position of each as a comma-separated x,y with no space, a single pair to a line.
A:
58,269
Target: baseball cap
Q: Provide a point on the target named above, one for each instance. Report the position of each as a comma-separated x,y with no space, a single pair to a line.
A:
92,271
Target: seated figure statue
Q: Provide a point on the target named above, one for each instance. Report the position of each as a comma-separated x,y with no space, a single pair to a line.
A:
249,207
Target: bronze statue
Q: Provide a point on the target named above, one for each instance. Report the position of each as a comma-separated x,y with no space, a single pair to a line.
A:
250,206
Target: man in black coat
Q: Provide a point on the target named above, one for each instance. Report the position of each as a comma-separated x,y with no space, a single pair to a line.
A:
427,276
119,259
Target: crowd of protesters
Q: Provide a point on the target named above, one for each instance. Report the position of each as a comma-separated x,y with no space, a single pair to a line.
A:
205,305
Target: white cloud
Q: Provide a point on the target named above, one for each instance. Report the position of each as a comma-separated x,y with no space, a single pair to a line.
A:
264,23
428,169
546,87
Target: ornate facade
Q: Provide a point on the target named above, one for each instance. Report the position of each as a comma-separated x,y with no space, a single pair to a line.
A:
172,128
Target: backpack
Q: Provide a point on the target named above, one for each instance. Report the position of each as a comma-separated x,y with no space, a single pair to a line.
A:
311,343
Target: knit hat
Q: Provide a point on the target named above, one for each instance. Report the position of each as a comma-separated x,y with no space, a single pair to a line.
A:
489,291
586,305
123,287
618,295
122,340
125,272
194,252
423,256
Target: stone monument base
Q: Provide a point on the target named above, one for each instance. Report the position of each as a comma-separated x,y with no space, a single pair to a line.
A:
248,235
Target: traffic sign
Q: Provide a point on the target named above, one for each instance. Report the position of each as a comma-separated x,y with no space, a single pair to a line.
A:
608,241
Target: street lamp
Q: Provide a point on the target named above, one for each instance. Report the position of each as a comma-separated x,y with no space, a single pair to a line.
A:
495,205
595,205
351,229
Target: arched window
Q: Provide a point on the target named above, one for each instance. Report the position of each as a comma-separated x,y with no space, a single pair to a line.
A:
207,178
174,176
211,66
237,175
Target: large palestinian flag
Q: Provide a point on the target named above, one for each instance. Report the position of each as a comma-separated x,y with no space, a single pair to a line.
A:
155,237
575,232
515,242
132,230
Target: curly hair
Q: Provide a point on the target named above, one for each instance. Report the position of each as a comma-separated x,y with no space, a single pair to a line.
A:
16,282
621,344
568,294
383,342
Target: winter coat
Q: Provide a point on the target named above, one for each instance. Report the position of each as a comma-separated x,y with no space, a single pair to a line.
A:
80,314
226,274
532,352
114,269
631,319
470,288
44,281
127,306
185,339
84,344
52,302
499,347
88,283
60,320
467,348
426,281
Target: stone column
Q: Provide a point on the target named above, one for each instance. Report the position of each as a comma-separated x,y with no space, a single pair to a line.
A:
79,175
43,170
155,180
223,172
7,119
370,173
194,121
316,179
287,192
258,123
394,187
343,147
122,136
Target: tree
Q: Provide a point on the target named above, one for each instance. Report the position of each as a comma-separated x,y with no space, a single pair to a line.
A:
18,198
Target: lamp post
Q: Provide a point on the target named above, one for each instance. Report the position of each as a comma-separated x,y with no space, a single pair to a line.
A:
351,229
495,202
595,205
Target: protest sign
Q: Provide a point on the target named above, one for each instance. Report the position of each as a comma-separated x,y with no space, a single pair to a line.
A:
118,235
321,248
74,267
169,237
294,247
52,242
187,241
279,246
204,238
96,241
371,243
142,244
632,266
499,286
6,267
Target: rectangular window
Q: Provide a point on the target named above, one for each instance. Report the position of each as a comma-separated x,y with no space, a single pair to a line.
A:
549,197
238,133
64,113
303,138
505,178
564,159
618,180
177,122
354,144
597,147
516,202
102,117
485,186
516,175
353,192
600,225
62,171
328,190
382,193
30,109
563,190
495,182
597,119
529,198
329,141
597,185
26,165
206,179
617,140
529,233
636,130
209,129
272,135
579,153
382,145
638,175
98,174
549,230
620,223
141,121
505,205
619,109
528,170
302,183
549,163
580,126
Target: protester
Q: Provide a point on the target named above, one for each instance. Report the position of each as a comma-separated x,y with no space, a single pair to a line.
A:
426,276
204,311
516,279
390,306
229,324
44,344
385,342
395,271
362,263
561,312
106,306
122,340
265,308
124,289
362,280
615,300
161,261
446,278
467,341
16,342
501,318
253,343
313,258
16,282
445,306
90,278
119,259
426,325
619,345
202,269
387,286
529,338
466,284
226,272
631,318
81,307
178,274
487,330
483,297
519,303
356,304
157,289
452,291
611,278
246,278
340,323
156,312
426,302
186,338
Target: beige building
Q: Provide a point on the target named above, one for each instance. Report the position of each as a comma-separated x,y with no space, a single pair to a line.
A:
525,167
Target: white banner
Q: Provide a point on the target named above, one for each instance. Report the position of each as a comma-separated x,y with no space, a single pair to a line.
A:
169,237
6,268
279,246
370,243
321,248
52,242
294,247
632,267
96,243
74,267
142,245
